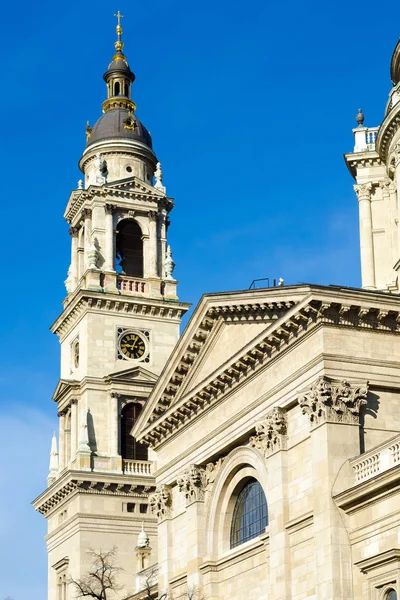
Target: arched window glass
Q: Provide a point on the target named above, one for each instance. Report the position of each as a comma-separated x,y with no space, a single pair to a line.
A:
130,448
250,515
130,248
391,595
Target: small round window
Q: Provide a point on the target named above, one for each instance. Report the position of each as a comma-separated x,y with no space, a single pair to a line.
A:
250,515
129,169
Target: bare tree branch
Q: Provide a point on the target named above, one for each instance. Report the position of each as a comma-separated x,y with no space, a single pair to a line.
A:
101,577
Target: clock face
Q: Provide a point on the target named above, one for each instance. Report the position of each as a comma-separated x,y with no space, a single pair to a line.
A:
132,345
76,355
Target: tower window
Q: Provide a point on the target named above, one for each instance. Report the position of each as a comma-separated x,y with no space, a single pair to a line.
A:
130,448
130,248
117,88
250,515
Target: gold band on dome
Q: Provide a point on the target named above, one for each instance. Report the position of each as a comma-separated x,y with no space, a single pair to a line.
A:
118,102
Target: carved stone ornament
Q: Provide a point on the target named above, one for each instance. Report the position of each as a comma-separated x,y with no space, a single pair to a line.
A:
387,186
196,481
161,501
271,432
335,401
363,191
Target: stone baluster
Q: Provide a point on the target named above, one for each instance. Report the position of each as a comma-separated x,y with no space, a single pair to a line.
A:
363,192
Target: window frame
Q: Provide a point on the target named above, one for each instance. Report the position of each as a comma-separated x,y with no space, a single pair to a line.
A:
242,497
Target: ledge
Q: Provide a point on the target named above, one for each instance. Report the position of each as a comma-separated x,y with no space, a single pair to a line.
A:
369,564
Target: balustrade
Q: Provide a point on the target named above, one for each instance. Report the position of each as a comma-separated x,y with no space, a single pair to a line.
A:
136,467
128,285
376,460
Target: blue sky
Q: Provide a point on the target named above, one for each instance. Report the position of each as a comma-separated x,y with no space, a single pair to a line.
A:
251,107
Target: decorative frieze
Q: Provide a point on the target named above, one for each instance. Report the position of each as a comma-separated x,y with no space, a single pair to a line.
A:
335,401
161,502
271,432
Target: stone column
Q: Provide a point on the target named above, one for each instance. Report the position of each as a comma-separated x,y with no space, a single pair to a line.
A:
271,441
152,248
109,239
162,240
193,483
333,411
87,216
74,429
114,420
61,438
363,192
161,506
74,256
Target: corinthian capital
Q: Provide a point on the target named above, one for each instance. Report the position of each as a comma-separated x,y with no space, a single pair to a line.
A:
196,481
161,501
363,190
335,401
387,186
271,432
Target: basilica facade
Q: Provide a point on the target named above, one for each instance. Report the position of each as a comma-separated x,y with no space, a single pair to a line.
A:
258,454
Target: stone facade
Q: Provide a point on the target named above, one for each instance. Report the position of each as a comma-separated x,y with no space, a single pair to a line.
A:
272,424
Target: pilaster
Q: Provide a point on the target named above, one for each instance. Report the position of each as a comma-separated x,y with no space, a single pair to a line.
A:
271,441
74,429
333,409
161,506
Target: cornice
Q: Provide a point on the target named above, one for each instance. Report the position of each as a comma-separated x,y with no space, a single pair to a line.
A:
378,560
86,301
75,482
369,158
131,190
368,492
170,415
387,132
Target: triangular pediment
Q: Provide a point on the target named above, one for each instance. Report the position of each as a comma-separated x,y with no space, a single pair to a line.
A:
134,184
205,366
229,337
223,328
136,374
63,387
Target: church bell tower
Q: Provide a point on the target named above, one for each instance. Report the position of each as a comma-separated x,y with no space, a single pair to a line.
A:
120,321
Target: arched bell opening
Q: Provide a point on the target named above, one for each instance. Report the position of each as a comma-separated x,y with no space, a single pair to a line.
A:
129,249
130,448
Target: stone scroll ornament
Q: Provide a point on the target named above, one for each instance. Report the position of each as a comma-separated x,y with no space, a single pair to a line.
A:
271,432
161,502
196,481
336,401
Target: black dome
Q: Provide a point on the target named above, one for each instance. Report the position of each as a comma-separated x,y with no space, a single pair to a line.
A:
111,125
119,65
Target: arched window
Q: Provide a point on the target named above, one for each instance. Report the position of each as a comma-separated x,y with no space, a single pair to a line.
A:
130,248
117,88
391,595
250,515
130,448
